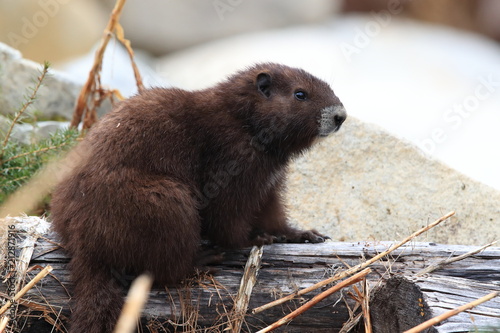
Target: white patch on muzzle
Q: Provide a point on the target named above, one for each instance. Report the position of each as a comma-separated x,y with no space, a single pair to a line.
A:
331,119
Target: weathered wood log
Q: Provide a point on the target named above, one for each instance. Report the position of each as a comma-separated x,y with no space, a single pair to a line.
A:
402,299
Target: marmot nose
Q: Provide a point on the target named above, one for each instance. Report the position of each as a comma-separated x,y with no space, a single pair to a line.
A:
332,118
339,116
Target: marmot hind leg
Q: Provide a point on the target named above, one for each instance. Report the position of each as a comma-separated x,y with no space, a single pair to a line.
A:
152,226
166,238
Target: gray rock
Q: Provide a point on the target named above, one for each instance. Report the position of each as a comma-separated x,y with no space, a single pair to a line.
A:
4,127
55,99
28,133
365,184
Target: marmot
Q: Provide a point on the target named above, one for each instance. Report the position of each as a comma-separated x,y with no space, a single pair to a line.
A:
168,167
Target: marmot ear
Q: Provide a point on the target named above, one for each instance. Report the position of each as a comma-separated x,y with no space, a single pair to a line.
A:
264,84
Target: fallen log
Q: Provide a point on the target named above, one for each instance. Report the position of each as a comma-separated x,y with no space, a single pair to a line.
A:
400,298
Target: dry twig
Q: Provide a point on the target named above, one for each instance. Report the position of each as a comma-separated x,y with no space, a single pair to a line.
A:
92,92
121,37
20,294
27,287
351,323
451,313
46,310
353,269
3,323
246,286
137,297
443,263
41,150
363,299
30,101
353,279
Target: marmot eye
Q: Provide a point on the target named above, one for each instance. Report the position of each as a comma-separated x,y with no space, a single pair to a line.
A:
300,95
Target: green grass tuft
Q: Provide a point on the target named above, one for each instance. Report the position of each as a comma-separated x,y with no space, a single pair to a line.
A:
19,162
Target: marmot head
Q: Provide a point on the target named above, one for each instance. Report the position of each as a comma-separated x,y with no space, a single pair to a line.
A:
288,108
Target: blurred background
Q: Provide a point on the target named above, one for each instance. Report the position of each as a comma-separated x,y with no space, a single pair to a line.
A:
427,71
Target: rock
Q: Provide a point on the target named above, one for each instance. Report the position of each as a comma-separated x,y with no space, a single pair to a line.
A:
4,127
28,133
56,97
363,183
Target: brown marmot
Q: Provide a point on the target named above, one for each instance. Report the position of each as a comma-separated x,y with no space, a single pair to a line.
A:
169,167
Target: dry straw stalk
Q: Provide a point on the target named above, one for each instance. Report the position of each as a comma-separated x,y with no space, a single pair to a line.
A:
354,269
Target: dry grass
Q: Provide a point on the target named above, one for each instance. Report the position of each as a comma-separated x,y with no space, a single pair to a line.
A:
354,269
137,297
451,313
316,299
93,93
186,309
13,302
